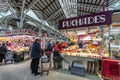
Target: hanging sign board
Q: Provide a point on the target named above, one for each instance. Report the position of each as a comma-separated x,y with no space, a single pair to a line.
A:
21,32
95,19
8,33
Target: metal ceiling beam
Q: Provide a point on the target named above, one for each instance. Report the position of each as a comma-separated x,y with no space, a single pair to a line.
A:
45,15
63,9
59,16
112,2
32,4
29,7
13,5
1,22
53,13
29,1
48,4
95,7
37,7
84,6
11,8
71,13
89,3
38,4
22,13
37,22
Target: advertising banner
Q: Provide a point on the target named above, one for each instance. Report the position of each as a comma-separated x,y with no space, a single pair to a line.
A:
95,19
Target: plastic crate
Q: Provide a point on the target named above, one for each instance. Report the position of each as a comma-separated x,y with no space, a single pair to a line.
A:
111,69
77,68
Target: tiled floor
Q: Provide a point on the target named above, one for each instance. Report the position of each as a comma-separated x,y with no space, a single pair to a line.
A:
21,71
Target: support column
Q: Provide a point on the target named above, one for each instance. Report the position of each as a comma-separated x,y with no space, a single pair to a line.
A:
40,31
110,51
18,20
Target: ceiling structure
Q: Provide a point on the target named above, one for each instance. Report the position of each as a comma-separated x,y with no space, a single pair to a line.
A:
52,10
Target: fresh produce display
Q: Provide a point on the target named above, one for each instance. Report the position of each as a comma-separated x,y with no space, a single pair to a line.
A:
93,48
104,53
117,55
18,44
70,50
85,52
19,49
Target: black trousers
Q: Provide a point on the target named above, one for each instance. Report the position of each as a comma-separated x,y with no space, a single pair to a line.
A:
2,56
34,65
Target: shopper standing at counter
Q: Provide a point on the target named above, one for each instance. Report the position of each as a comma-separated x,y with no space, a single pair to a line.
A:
80,43
3,51
48,49
35,56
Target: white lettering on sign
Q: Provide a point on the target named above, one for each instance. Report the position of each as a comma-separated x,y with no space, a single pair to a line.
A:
102,18
73,22
84,21
90,20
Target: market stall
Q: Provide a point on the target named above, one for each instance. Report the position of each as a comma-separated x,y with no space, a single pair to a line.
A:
19,41
89,47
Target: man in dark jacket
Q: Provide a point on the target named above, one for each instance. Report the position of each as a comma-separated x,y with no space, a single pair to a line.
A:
3,51
35,55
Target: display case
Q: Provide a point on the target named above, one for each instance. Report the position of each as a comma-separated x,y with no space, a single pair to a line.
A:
113,42
19,44
87,51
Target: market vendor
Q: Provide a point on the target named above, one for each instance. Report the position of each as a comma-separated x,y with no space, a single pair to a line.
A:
57,50
80,43
61,46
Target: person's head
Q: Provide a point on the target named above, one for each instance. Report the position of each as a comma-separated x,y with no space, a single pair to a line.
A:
37,40
57,42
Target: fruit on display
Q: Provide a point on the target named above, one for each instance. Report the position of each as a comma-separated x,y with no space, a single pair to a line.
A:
117,55
18,49
104,53
85,52
93,48
70,50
